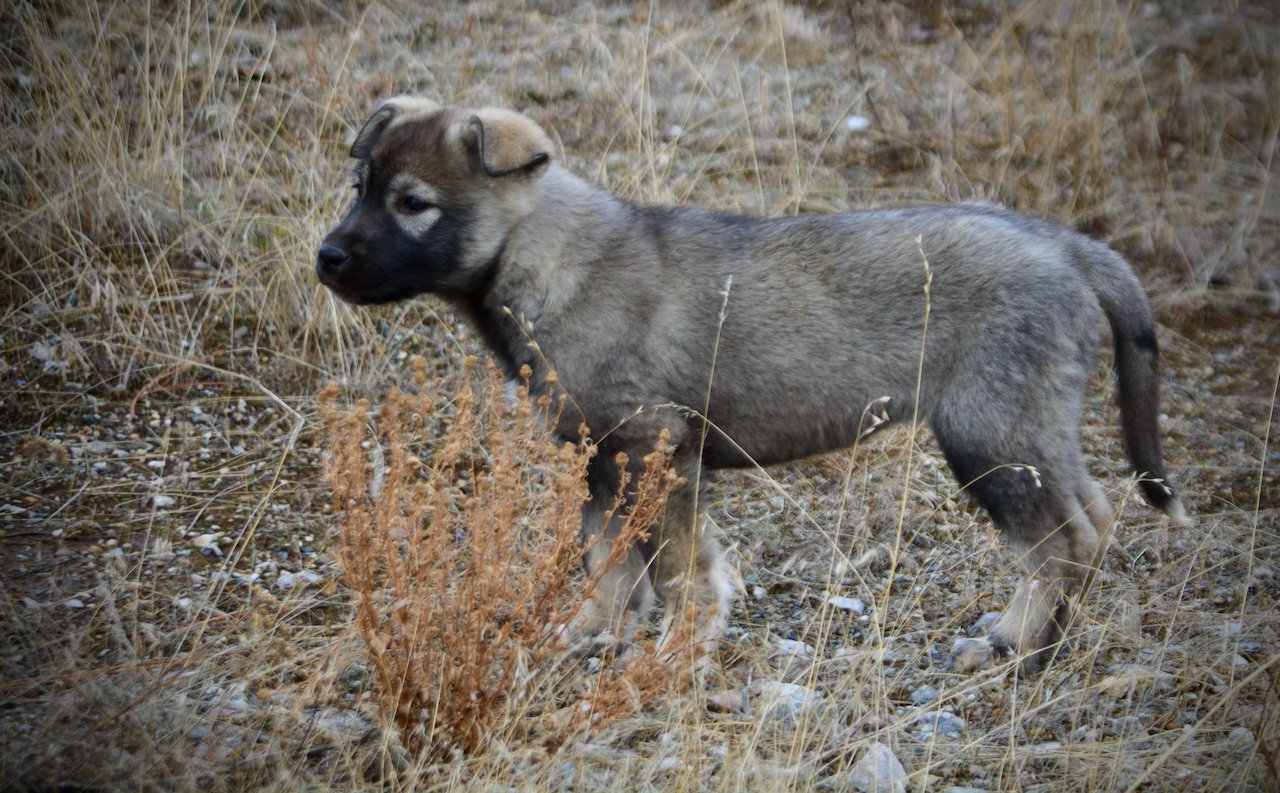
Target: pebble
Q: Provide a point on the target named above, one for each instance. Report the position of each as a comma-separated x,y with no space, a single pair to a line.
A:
1242,735
941,722
1123,678
1153,653
857,124
794,648
924,695
672,764
729,701
289,580
853,605
878,771
203,541
784,701
1128,726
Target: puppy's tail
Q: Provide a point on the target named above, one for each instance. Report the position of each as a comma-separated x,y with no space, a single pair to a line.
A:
1137,373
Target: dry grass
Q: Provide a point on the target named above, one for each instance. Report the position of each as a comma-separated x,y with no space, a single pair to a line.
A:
460,544
182,612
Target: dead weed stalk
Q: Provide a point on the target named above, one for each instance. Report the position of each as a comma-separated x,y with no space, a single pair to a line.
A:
460,544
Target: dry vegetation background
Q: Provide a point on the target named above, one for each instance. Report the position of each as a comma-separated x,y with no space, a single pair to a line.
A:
174,608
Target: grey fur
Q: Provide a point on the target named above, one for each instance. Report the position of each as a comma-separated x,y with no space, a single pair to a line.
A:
809,321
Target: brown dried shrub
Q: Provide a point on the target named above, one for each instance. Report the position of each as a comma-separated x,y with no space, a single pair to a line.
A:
460,544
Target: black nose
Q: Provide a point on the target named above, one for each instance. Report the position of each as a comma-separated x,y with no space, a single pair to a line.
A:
332,259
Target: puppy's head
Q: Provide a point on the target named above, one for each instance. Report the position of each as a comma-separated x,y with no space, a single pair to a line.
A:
438,191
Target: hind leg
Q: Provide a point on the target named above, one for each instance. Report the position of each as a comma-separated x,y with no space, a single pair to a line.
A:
1032,481
1058,568
1060,547
1096,506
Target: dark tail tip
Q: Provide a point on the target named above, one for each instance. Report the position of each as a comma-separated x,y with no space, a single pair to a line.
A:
1160,495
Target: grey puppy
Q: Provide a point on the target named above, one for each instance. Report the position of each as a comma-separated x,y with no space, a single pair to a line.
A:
757,341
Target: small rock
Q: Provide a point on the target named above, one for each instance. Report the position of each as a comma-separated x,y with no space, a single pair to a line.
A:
1124,678
878,771
793,648
857,124
1251,650
1128,726
1153,653
941,722
924,695
729,701
776,700
161,502
1242,736
853,605
203,541
74,603
289,580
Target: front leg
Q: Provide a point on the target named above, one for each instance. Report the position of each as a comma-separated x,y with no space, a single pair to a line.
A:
623,593
619,555
693,578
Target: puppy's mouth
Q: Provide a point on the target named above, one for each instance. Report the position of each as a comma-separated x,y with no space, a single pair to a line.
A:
334,285
357,298
380,294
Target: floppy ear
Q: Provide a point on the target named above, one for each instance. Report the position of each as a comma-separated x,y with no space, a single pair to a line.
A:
502,143
382,118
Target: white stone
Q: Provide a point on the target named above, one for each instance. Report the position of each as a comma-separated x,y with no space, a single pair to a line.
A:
878,771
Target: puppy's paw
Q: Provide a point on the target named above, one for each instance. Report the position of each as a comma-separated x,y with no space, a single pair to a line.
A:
974,655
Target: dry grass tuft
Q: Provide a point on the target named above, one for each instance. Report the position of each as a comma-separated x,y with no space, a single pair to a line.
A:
460,544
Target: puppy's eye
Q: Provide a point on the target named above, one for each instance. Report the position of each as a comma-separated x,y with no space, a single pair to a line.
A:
413,205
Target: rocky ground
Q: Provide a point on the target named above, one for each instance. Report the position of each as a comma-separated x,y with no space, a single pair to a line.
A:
160,532
172,611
